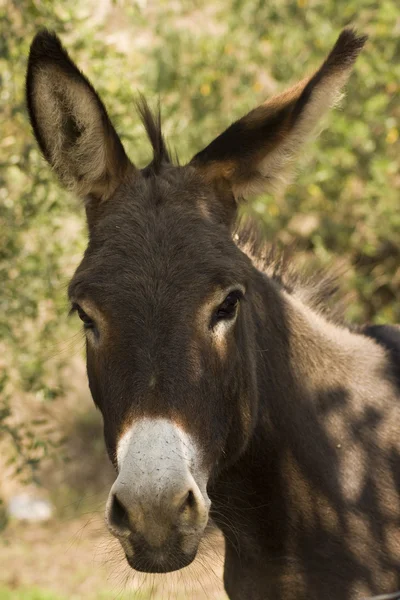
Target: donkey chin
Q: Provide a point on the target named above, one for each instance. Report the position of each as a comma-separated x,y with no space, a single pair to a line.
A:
158,507
176,552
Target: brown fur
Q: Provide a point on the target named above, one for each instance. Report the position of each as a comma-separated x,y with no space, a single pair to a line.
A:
296,414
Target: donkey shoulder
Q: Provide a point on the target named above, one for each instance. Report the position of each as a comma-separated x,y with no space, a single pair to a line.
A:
387,336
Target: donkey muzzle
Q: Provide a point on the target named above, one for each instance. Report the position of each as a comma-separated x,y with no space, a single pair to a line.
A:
158,506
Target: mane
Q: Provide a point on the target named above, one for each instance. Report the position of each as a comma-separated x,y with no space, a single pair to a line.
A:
152,124
317,289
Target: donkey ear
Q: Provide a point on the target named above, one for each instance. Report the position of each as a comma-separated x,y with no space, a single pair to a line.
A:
70,122
255,154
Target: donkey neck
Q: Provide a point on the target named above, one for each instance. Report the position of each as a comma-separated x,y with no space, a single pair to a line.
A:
307,360
313,375
323,355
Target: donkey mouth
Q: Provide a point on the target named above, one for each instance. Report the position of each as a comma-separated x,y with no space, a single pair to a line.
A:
159,562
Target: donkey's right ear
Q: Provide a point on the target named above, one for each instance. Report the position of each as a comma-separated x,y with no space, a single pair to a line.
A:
70,122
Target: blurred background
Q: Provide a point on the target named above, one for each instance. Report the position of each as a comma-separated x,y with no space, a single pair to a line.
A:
209,62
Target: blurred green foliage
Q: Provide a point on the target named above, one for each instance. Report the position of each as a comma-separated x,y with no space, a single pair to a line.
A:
209,62
27,594
37,594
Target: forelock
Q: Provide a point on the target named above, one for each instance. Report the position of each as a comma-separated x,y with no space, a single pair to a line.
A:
152,124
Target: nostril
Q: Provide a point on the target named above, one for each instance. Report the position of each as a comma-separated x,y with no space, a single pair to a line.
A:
118,515
189,501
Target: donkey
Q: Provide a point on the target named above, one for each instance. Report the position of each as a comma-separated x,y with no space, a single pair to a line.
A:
227,389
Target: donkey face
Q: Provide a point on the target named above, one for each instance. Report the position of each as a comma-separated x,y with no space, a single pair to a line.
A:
165,295
161,292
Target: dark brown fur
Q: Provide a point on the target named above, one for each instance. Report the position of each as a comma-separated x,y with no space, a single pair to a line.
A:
297,415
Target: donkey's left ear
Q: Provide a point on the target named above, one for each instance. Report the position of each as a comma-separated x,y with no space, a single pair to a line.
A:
255,154
70,122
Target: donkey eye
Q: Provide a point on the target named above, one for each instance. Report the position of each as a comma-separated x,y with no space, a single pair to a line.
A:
88,323
228,308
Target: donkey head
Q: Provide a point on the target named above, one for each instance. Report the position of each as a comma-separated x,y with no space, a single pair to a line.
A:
164,293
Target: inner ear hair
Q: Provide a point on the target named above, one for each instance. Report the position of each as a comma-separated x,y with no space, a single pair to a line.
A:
71,123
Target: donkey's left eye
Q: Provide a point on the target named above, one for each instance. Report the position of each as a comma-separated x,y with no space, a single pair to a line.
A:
88,323
228,308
